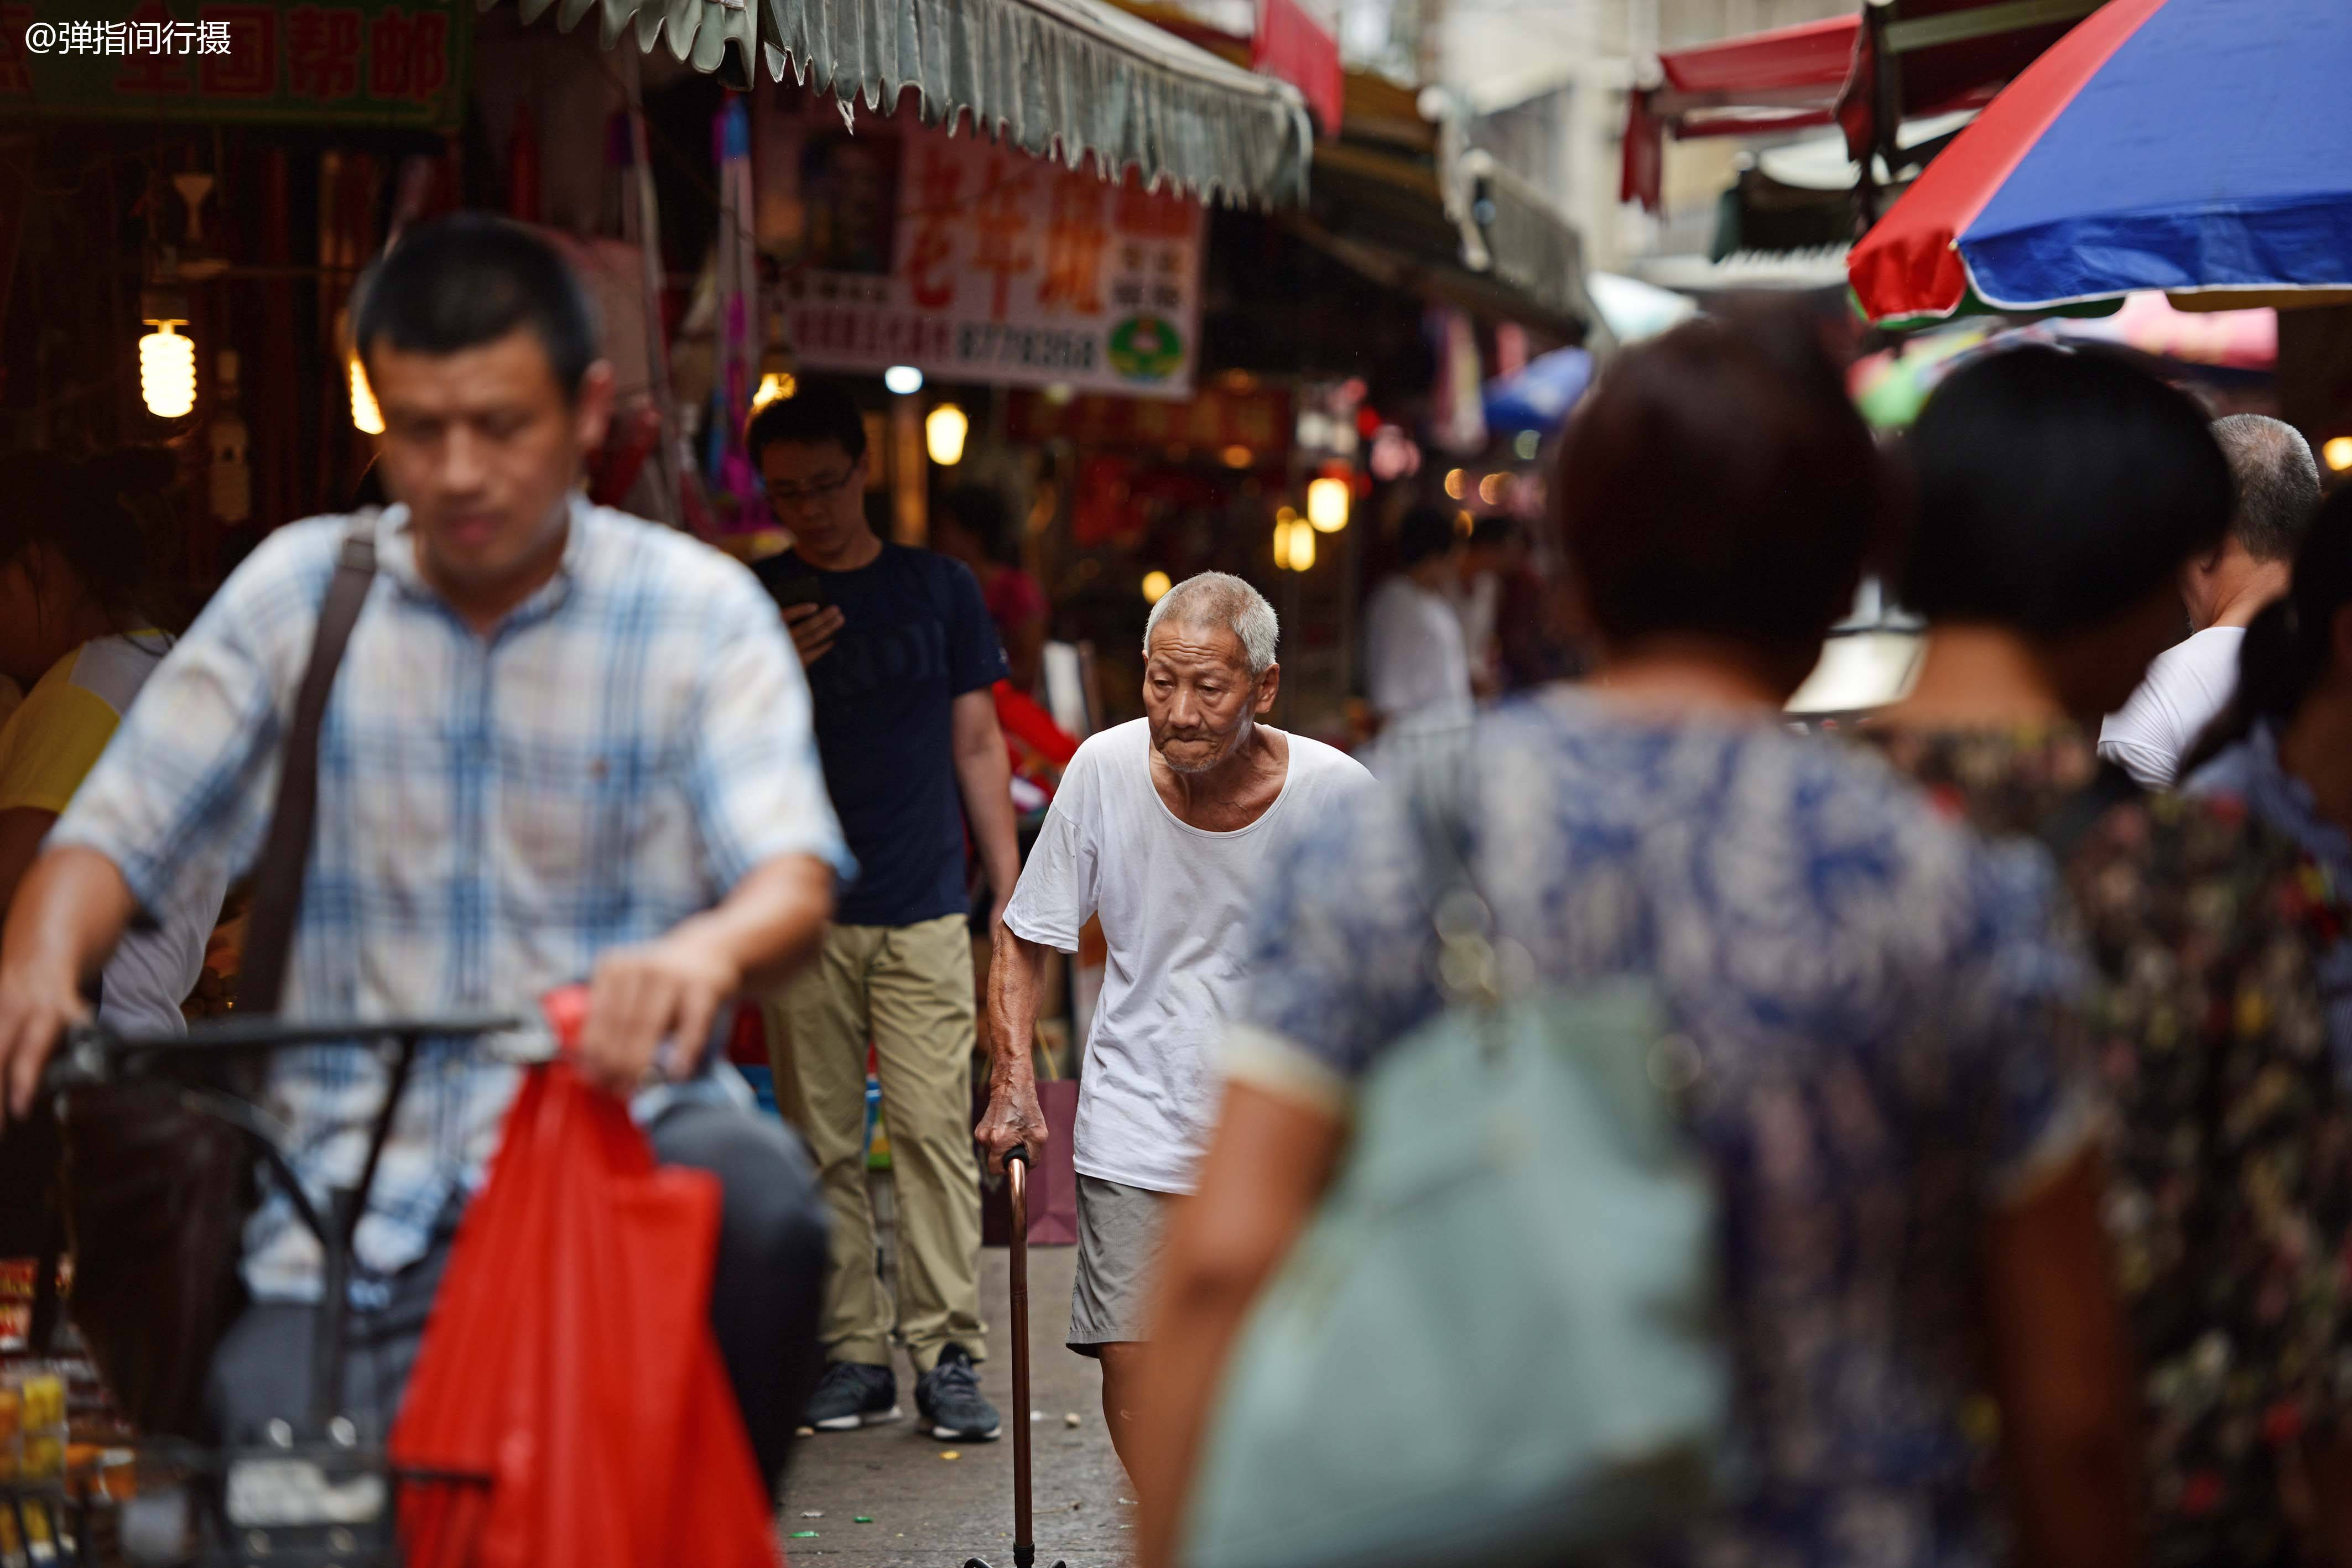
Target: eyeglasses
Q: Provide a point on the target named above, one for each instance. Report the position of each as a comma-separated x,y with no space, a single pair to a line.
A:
782,497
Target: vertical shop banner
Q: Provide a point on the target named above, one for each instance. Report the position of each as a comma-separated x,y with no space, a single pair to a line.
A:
975,263
347,62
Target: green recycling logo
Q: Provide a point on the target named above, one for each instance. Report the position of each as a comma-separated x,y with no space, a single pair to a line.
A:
1146,349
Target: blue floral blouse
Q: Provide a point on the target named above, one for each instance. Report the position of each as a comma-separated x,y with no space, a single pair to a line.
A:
1873,993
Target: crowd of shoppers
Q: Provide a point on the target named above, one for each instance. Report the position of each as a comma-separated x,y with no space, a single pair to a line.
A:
1907,1154
2018,1083
2063,498
2022,1089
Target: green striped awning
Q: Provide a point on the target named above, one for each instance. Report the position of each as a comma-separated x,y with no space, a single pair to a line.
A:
1055,77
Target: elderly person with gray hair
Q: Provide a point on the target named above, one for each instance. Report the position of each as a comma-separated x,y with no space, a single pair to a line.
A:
1159,827
2189,684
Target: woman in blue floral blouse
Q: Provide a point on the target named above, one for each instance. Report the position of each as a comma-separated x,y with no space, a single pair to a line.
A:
1903,1145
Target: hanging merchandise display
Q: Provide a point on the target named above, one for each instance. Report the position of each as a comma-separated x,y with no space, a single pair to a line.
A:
735,259
1458,411
969,261
678,494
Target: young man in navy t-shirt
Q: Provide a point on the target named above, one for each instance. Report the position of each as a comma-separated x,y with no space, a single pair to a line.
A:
901,656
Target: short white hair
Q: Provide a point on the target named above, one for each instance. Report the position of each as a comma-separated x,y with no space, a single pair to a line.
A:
1219,599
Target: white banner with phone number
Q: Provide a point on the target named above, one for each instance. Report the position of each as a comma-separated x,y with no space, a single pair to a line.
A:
1003,269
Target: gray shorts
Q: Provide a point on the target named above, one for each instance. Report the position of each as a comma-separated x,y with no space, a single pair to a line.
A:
1119,1231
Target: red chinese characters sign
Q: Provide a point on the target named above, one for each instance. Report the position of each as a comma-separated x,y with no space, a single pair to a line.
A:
975,263
1256,417
351,62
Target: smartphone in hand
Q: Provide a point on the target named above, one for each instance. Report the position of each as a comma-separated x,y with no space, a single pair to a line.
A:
805,589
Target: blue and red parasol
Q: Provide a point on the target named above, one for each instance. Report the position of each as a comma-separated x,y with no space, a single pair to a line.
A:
2201,147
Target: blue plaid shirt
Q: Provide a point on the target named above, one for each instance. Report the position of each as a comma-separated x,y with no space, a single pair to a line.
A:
494,812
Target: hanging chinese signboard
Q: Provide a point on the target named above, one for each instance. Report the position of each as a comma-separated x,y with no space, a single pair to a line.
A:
1220,420
346,62
975,263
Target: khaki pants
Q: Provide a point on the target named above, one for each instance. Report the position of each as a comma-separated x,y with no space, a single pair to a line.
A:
909,989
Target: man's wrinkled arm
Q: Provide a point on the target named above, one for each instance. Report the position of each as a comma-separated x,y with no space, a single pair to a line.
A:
1016,979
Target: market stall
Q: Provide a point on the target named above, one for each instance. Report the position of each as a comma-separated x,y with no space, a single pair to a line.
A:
176,271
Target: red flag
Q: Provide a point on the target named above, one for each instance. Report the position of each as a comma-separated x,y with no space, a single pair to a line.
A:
1291,44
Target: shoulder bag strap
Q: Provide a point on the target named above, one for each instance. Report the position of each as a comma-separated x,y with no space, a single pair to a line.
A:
286,853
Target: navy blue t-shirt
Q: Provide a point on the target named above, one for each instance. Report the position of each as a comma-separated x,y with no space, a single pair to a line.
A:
915,637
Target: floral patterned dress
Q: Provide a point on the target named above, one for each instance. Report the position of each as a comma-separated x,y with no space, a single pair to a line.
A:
1871,992
2230,1197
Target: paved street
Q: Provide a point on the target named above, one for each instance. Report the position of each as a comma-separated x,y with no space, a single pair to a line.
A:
933,1512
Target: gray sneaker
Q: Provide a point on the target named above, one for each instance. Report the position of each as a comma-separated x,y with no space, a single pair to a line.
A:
948,1396
853,1394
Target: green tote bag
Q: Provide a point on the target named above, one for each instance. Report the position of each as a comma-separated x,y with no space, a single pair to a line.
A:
1499,1341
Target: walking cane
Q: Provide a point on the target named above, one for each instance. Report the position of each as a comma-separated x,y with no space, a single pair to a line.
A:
1025,1551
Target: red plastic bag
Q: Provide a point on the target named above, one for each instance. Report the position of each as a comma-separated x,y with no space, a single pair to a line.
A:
569,1358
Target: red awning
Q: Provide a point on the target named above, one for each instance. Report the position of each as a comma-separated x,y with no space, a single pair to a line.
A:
1934,55
1799,67
1781,80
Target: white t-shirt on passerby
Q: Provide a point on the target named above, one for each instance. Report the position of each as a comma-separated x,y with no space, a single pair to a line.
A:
1175,903
2186,687
1417,655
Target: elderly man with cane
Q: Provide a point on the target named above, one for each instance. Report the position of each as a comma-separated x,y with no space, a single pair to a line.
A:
1160,829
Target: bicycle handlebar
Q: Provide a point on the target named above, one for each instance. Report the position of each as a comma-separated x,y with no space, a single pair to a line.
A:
94,1054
